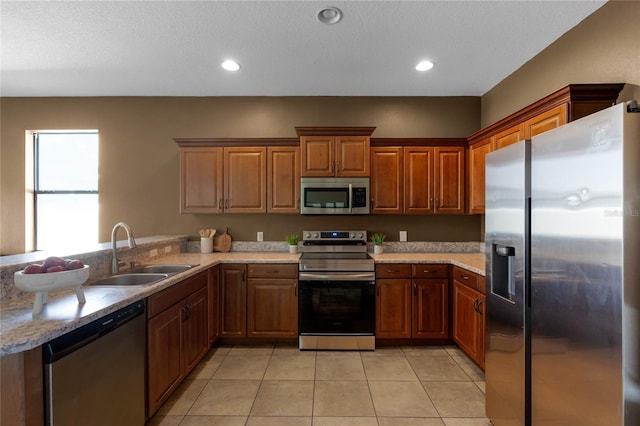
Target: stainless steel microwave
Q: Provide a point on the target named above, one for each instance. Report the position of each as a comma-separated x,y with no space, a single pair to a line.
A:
334,195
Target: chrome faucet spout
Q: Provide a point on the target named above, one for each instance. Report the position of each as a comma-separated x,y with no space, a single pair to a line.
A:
115,266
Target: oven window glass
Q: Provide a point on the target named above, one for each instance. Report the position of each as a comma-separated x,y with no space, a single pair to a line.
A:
330,307
326,198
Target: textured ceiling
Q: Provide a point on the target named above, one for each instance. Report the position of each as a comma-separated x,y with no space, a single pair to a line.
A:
175,48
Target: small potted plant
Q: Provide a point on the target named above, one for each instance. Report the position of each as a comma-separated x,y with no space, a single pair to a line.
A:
378,239
292,240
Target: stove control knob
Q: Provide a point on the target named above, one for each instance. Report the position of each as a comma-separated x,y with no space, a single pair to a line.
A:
352,235
307,235
316,235
360,235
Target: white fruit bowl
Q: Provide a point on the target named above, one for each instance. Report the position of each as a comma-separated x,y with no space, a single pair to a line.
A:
42,283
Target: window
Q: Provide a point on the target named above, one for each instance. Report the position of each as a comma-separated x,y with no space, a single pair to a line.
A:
66,189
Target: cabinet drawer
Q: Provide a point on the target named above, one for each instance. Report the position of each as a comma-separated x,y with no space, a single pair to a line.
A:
172,295
430,271
273,270
467,278
393,270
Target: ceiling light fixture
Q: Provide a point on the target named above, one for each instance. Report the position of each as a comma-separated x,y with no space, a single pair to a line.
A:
329,15
230,65
424,65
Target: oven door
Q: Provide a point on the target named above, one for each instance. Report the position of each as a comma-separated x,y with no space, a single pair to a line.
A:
337,307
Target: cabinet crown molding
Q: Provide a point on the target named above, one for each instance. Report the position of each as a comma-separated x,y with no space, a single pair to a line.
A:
334,131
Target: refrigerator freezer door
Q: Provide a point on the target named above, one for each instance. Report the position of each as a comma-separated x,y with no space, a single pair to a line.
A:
507,192
576,272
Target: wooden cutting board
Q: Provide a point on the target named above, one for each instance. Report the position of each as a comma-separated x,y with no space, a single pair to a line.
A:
222,242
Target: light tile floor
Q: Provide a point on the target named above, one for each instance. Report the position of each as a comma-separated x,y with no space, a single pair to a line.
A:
280,385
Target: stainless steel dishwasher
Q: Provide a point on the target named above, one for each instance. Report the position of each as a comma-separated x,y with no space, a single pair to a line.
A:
95,375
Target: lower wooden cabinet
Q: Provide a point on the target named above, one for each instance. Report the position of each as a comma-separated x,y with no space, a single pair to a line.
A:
468,314
412,301
177,336
259,300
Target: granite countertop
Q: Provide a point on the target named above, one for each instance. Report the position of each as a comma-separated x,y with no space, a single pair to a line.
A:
21,331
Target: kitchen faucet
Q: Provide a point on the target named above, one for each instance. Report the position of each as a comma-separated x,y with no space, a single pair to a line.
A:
115,264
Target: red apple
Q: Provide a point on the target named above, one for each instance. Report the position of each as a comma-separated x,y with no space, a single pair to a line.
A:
57,268
53,261
73,264
34,269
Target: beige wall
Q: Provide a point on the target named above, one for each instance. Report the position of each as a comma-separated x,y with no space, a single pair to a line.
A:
139,166
604,48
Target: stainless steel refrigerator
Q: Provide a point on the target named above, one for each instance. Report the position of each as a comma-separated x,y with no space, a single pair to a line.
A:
562,233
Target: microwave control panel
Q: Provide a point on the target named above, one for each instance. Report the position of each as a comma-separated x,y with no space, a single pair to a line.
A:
359,197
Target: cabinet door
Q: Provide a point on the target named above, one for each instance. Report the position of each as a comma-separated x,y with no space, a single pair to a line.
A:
509,136
283,180
466,320
352,155
386,180
233,298
164,363
431,308
196,328
393,308
449,179
476,175
245,180
214,310
418,180
317,156
546,121
272,307
201,180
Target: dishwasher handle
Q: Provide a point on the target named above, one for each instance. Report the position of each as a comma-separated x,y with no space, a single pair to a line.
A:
67,343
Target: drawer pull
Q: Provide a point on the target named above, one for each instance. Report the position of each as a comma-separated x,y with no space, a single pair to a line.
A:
464,277
393,271
275,271
426,271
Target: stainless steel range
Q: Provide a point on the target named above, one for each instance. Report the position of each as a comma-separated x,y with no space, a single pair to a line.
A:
337,303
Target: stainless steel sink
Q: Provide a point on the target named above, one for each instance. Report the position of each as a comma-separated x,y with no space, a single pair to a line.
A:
162,269
130,279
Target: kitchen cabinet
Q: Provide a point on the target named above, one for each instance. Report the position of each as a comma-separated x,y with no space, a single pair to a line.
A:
560,107
177,336
214,304
386,186
412,301
22,388
434,179
341,156
468,314
476,174
272,300
283,179
201,180
334,151
233,297
217,179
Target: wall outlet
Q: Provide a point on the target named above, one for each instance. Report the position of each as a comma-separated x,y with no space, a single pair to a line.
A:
260,236
167,249
403,235
153,253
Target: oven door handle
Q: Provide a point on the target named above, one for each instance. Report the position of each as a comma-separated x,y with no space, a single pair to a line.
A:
367,276
350,198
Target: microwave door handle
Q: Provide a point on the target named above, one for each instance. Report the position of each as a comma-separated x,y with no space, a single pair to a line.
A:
350,198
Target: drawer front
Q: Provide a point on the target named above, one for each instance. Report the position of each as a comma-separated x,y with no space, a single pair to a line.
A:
393,270
273,270
467,278
428,270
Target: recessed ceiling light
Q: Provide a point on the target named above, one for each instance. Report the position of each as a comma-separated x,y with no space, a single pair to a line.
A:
424,65
329,15
230,65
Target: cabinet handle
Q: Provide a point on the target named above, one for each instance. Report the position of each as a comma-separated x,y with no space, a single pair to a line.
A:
338,166
426,271
243,275
437,203
226,204
415,289
295,289
275,271
333,166
188,310
431,202
476,304
220,204
464,277
393,271
480,303
184,313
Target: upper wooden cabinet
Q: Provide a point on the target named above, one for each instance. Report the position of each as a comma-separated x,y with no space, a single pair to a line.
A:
434,180
201,180
283,179
565,105
239,177
386,186
334,151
